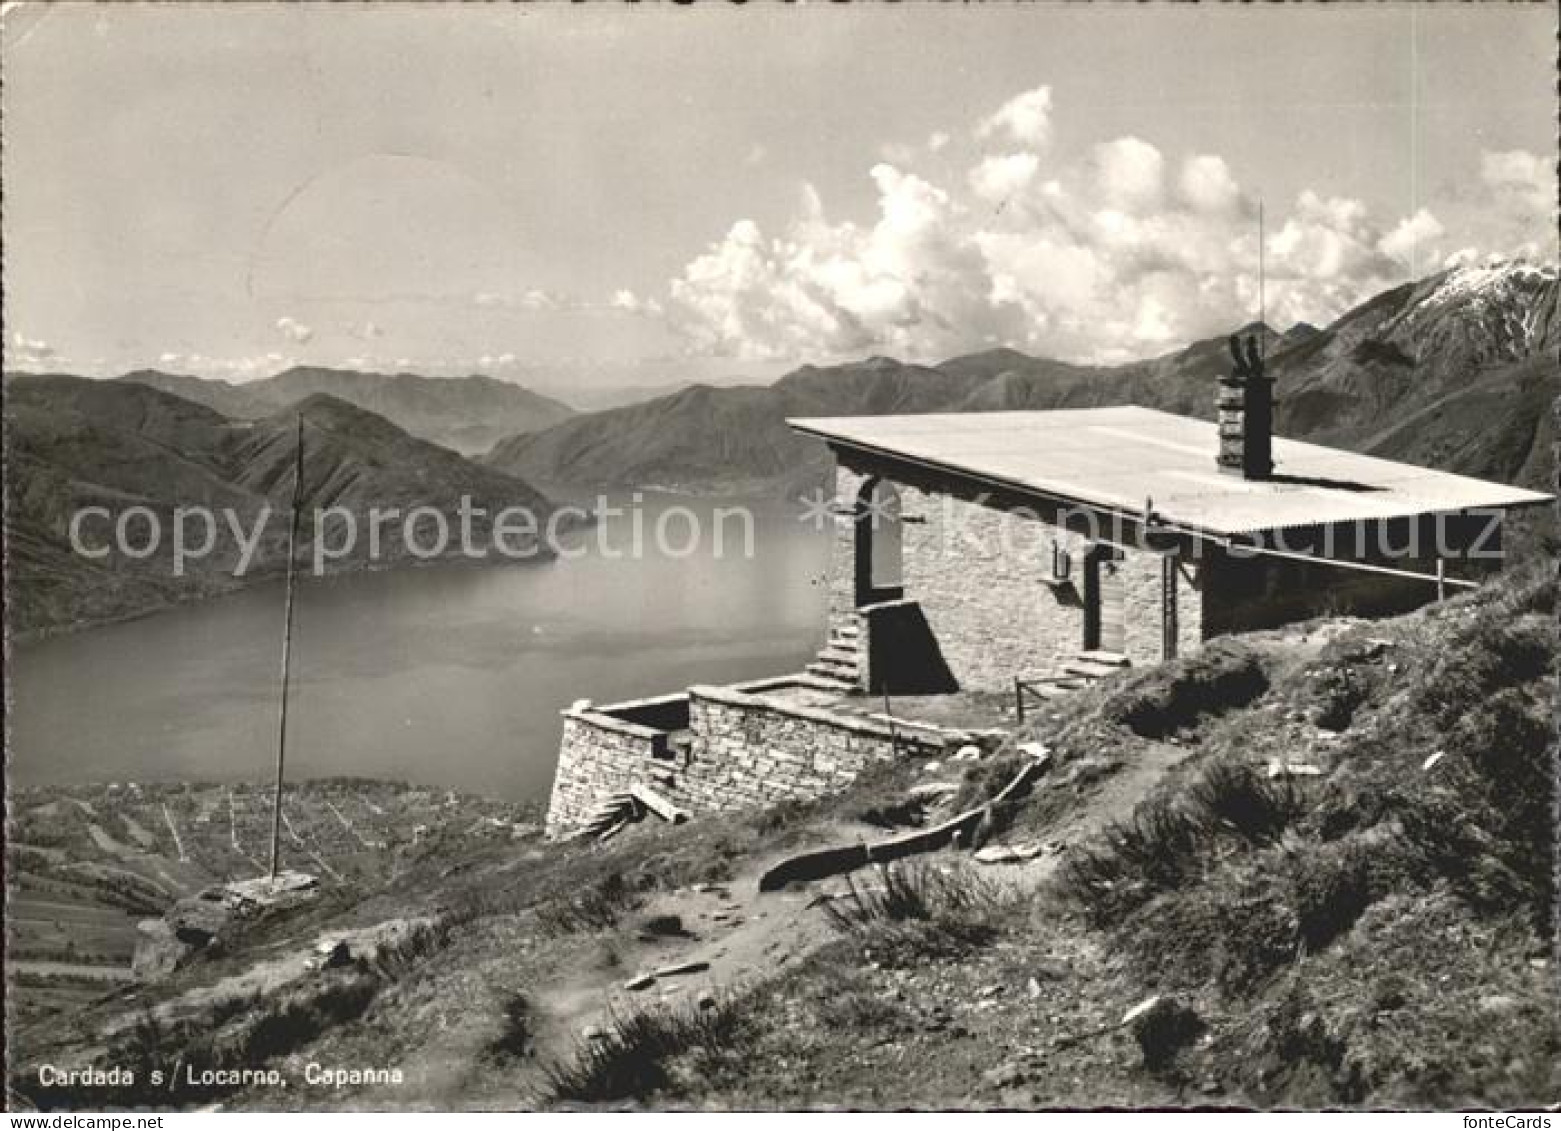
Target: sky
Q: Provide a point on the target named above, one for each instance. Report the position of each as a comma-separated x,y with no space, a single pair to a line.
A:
613,195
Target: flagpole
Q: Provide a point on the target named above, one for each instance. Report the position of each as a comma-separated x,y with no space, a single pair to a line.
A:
287,648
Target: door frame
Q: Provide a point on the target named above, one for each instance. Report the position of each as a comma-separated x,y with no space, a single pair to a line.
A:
1097,553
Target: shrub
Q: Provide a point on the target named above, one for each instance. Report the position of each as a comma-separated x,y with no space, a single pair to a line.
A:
631,1057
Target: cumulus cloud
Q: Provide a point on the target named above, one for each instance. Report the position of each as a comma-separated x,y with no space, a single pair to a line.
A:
1206,185
1130,175
1410,240
937,141
1521,178
1522,202
1121,252
903,283
29,353
293,330
245,368
999,179
1026,118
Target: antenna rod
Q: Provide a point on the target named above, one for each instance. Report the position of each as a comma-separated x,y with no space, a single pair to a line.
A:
1262,297
287,648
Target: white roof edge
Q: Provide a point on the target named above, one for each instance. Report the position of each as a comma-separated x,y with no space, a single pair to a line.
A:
1501,496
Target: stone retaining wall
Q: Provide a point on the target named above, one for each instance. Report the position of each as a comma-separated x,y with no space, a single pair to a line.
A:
599,756
747,751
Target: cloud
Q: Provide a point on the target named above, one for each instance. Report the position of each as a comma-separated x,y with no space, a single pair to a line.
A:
937,141
225,368
29,353
294,330
1206,185
1519,177
534,298
1407,242
755,155
1130,175
1521,206
998,179
1121,252
631,303
1025,118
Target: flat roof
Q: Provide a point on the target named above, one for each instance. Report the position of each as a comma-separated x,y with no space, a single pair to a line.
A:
1120,456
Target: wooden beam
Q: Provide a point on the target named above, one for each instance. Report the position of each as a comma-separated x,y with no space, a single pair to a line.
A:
658,804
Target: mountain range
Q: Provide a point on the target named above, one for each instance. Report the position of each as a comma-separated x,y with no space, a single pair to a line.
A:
1454,371
73,443
466,414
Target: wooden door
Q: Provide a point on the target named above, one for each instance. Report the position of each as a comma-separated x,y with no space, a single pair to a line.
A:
1113,617
1105,618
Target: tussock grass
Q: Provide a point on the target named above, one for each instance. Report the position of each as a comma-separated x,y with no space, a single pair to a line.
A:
921,911
1166,844
1234,797
517,1035
633,1056
596,907
1223,677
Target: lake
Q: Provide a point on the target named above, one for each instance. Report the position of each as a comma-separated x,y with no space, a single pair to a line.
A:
449,676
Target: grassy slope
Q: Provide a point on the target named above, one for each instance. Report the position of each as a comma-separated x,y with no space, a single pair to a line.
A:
1375,934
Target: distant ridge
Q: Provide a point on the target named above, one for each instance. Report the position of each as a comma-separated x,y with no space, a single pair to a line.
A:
73,443
466,414
1454,371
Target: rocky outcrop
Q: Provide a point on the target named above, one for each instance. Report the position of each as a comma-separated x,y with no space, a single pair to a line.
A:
207,924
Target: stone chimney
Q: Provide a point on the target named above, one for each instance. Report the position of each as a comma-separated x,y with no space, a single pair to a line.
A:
1246,414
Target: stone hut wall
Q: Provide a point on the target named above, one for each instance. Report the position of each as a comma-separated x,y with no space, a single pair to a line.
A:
746,752
982,576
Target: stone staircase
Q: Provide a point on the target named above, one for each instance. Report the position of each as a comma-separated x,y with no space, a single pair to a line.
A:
610,814
839,662
1079,672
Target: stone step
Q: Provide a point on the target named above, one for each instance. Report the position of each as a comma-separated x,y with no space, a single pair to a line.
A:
845,655
1089,669
1115,659
846,630
833,683
850,669
831,672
